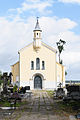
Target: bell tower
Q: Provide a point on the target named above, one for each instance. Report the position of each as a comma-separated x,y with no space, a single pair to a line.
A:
37,36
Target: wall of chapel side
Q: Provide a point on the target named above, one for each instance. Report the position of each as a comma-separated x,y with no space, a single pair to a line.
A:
15,72
60,74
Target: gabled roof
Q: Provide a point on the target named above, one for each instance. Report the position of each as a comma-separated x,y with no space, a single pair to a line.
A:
15,63
49,47
42,43
25,47
59,64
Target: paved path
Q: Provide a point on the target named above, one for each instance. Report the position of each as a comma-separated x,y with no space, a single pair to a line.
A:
40,107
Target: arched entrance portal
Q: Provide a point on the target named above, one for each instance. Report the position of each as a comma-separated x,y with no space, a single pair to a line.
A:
37,82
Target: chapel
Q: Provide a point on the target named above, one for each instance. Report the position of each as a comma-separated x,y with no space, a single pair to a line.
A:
37,66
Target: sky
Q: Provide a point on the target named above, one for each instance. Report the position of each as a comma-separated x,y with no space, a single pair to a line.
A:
58,19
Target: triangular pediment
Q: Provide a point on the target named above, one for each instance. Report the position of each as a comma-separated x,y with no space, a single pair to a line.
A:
42,43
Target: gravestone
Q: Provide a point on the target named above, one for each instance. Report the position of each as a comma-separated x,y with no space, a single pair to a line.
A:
73,93
5,82
10,77
60,93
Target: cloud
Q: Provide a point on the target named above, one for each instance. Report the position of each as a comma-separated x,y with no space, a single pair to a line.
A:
14,35
70,1
73,71
71,57
72,47
34,5
17,33
56,25
55,29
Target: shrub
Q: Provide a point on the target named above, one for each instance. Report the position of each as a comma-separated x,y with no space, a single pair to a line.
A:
15,88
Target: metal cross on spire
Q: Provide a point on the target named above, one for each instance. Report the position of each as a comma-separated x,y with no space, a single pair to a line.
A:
37,19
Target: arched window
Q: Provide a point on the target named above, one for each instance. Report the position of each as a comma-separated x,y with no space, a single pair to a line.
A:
43,65
32,65
37,64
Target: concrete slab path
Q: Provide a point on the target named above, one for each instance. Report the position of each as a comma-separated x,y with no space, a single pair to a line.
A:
40,107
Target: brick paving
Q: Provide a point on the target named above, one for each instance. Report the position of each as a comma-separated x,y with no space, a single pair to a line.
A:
40,107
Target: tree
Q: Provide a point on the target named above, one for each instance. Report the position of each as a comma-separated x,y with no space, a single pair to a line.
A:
60,46
65,72
0,77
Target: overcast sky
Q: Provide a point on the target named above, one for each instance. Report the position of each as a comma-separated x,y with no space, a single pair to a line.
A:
59,19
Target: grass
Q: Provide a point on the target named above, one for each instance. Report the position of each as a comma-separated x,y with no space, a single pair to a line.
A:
63,108
50,93
19,115
7,104
68,108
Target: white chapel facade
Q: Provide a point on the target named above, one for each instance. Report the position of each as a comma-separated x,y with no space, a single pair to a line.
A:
37,66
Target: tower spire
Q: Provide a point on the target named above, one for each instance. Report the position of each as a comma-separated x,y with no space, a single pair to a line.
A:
37,27
37,36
